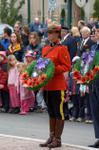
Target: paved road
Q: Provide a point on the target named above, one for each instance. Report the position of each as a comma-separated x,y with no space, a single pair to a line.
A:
35,125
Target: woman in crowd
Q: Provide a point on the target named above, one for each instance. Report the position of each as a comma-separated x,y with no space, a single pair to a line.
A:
15,47
34,44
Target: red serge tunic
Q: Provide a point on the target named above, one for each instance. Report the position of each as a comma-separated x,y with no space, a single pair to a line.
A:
59,55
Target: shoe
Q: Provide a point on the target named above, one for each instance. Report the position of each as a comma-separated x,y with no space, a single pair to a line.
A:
31,109
39,110
16,110
79,120
23,113
88,121
4,110
72,119
95,145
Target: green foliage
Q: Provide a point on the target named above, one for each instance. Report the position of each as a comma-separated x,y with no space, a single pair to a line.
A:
49,71
96,9
9,11
82,13
77,65
63,13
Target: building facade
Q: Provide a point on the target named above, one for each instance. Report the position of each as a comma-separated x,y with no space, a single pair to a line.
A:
40,9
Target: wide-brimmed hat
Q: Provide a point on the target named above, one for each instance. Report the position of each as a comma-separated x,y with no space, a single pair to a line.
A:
54,27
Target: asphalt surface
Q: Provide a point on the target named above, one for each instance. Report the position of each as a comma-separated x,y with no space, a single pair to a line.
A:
35,126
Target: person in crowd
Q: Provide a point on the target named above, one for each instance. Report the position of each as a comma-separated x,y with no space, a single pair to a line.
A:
12,78
2,47
26,96
36,26
25,36
45,27
5,41
76,34
54,91
81,24
29,58
73,88
17,28
86,41
94,93
34,44
67,39
4,93
41,106
15,47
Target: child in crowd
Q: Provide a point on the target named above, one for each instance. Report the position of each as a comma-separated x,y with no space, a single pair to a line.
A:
12,77
4,94
27,97
30,56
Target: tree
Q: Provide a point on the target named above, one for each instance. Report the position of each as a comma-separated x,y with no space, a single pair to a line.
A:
96,9
9,11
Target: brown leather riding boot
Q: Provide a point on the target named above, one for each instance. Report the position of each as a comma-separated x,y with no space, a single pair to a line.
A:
58,132
52,132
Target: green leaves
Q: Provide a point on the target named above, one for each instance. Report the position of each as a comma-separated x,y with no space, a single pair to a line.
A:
96,9
9,11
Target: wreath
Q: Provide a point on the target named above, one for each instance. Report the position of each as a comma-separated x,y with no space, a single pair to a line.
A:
86,69
37,74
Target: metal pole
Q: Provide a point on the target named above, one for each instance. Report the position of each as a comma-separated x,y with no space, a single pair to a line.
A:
29,11
69,14
43,11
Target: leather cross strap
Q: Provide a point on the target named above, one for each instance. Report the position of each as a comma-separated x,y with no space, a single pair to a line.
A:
51,49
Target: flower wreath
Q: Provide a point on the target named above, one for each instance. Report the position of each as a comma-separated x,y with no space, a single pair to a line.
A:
37,74
86,69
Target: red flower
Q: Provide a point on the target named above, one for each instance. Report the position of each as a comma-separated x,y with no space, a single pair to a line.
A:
83,79
35,79
37,83
43,77
29,82
96,69
76,74
88,74
78,78
24,81
24,75
91,77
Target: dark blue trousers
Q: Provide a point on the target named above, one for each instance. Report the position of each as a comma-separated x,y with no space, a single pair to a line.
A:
94,103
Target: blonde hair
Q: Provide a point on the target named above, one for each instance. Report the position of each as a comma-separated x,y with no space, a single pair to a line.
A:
9,60
75,31
22,66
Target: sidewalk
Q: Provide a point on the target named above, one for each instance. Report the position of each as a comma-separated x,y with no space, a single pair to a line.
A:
19,143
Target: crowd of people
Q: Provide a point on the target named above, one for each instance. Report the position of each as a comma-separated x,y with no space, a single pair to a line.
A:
18,49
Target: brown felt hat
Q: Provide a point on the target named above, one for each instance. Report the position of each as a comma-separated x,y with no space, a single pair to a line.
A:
54,27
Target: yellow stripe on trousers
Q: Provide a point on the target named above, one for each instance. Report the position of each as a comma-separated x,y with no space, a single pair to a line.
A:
61,104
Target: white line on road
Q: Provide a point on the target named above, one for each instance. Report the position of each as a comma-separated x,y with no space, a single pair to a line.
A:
39,140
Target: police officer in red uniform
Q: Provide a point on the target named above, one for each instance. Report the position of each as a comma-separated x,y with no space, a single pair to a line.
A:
54,91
